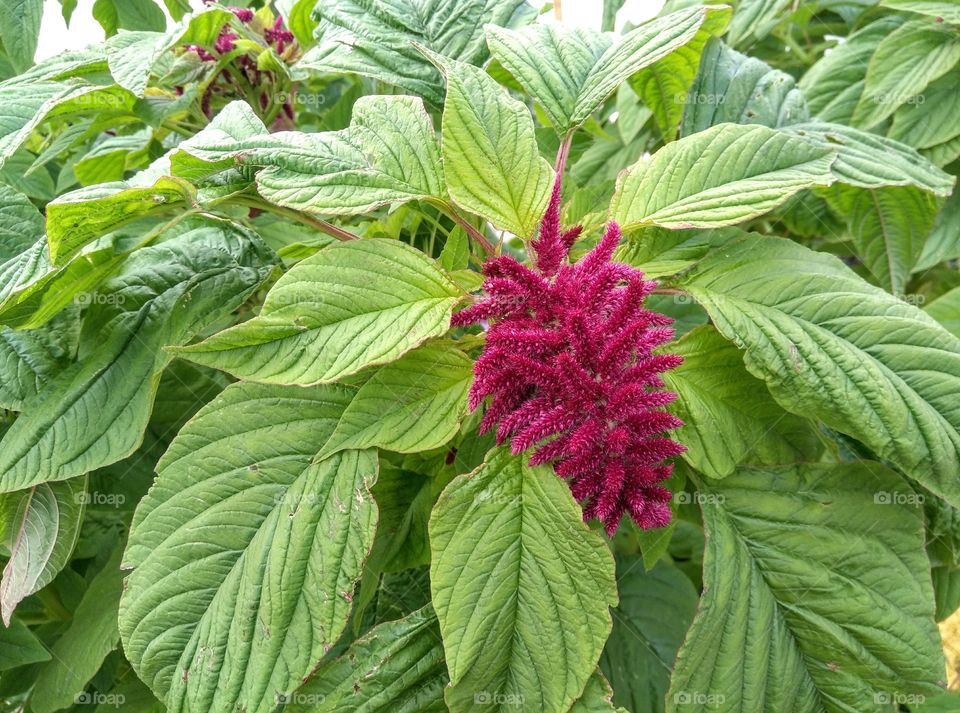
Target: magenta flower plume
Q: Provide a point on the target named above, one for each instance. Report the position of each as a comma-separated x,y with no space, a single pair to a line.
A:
571,367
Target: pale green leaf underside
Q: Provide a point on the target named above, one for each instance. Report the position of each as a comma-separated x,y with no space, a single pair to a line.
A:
509,547
783,626
949,11
413,404
245,551
834,348
47,526
722,176
352,305
490,155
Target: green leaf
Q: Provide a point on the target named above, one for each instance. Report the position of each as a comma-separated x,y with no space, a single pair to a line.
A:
378,40
722,176
352,305
80,650
93,413
944,242
946,11
413,404
116,15
510,551
834,84
596,697
732,87
929,122
389,154
655,611
20,223
665,84
946,310
19,647
46,524
661,253
641,47
754,19
834,348
24,106
730,416
30,358
246,550
396,667
870,161
490,155
905,62
889,227
786,626
20,31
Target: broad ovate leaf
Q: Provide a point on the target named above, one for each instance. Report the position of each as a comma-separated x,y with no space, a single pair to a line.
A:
413,404
722,176
377,40
510,550
834,348
490,155
729,416
786,626
246,550
93,412
351,305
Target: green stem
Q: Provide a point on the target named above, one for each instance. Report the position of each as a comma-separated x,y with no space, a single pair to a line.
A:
452,213
300,217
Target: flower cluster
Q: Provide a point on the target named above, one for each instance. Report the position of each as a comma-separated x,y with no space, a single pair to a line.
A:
571,367
244,74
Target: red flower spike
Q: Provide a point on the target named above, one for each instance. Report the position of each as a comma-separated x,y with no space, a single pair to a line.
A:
571,369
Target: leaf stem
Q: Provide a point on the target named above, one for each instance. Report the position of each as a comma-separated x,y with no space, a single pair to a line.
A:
561,163
299,216
455,216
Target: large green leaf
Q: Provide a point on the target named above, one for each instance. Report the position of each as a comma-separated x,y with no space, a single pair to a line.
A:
93,413
20,223
396,667
521,587
889,227
722,176
413,404
572,71
944,242
732,87
30,358
730,416
19,646
870,161
246,550
490,155
653,616
941,9
350,306
754,19
389,154
45,525
20,31
834,84
834,348
81,649
930,125
128,15
665,85
905,62
786,626
376,39
24,106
